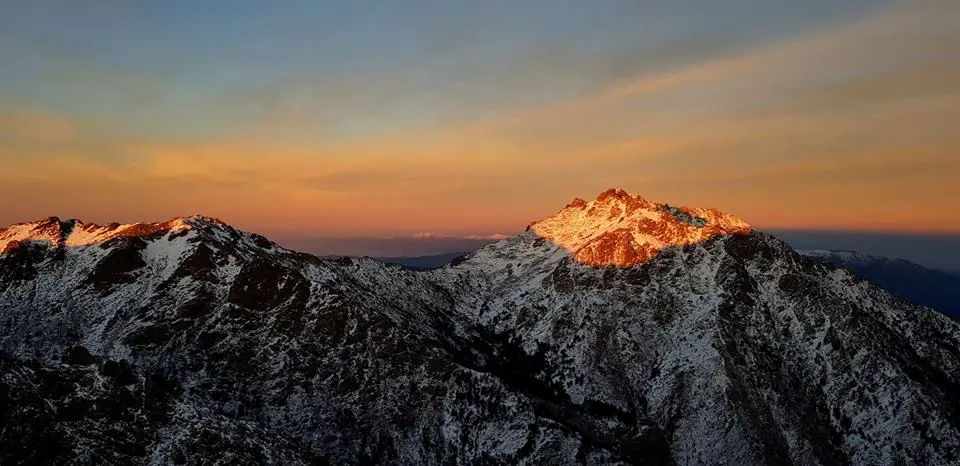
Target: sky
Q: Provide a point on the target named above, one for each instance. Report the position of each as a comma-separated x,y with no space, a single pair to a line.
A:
466,118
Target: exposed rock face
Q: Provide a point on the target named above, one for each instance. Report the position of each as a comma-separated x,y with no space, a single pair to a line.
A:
623,230
191,342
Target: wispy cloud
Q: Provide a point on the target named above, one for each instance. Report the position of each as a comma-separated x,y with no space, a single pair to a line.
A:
826,129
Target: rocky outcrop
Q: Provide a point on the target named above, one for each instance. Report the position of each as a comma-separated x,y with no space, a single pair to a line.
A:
624,230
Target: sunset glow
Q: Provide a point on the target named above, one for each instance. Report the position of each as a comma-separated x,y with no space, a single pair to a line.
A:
458,121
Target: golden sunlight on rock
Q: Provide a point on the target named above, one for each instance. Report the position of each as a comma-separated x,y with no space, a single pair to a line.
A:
622,230
55,233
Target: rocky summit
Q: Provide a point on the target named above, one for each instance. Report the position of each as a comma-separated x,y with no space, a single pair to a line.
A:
619,331
625,230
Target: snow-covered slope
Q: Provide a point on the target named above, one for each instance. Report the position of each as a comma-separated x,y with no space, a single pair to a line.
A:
261,355
738,348
189,341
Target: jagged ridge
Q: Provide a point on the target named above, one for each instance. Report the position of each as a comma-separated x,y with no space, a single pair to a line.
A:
622,229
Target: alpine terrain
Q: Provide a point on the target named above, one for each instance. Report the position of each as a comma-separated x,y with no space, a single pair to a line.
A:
913,282
618,331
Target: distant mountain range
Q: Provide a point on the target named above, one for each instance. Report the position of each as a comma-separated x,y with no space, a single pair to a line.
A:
424,262
933,251
618,331
412,246
932,288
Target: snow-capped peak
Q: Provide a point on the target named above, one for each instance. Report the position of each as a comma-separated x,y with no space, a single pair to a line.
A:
618,228
73,233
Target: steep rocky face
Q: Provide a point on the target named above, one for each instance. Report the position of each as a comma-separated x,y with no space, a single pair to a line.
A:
191,342
623,230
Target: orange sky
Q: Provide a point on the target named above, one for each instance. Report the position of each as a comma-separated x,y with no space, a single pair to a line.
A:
852,126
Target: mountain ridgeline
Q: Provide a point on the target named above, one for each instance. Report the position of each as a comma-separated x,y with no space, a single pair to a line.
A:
936,289
619,331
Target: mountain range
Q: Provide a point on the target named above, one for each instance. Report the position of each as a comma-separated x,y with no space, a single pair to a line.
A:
618,331
936,289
